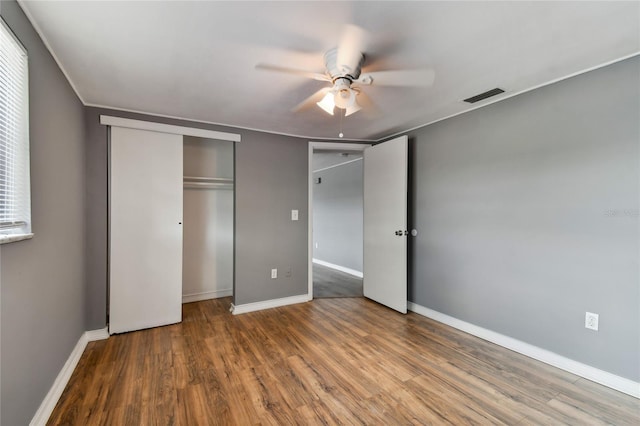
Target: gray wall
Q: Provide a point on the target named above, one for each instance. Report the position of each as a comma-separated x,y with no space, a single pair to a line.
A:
270,180
337,215
514,207
42,279
96,155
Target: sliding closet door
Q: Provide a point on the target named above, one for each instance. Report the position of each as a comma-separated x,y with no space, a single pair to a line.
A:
145,229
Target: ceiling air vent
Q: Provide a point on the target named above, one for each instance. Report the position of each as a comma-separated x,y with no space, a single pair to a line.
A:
485,95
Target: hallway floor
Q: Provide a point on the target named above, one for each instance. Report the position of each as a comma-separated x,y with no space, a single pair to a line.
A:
328,282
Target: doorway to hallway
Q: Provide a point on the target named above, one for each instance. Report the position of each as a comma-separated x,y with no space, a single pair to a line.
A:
336,207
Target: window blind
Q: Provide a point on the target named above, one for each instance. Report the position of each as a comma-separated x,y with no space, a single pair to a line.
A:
15,203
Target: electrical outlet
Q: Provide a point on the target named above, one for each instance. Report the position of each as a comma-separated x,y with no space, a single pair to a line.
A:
591,321
274,274
294,214
316,245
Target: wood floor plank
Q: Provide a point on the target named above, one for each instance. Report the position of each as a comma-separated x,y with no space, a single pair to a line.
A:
331,361
595,409
413,406
614,400
575,413
265,397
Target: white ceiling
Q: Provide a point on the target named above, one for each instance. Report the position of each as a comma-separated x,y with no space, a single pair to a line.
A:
196,60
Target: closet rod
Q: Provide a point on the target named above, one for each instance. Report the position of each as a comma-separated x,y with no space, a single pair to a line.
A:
207,185
202,179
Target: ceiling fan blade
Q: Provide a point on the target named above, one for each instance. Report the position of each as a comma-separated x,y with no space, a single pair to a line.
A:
311,100
419,78
303,73
353,43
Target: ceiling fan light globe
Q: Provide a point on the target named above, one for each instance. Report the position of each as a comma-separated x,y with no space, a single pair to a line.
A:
345,98
352,109
327,103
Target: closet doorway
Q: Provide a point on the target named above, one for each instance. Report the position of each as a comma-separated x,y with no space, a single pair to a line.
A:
336,220
207,253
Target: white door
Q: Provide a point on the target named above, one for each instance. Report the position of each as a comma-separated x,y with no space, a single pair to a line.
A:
145,285
385,223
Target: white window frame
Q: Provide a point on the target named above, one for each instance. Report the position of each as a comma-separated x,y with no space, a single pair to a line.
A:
14,145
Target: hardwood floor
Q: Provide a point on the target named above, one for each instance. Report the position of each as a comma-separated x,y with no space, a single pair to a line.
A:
328,282
330,361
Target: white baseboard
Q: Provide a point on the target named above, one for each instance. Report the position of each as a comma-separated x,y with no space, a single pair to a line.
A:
267,304
100,334
52,397
586,371
344,269
206,295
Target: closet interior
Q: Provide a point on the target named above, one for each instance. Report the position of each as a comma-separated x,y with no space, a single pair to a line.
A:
207,251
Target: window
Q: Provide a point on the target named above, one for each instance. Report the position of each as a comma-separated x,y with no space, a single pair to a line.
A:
15,194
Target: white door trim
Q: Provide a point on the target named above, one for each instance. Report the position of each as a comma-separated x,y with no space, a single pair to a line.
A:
128,123
320,146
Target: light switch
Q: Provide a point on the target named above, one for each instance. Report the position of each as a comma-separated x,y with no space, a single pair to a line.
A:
294,214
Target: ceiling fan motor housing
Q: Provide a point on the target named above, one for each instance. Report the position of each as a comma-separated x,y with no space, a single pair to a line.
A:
337,71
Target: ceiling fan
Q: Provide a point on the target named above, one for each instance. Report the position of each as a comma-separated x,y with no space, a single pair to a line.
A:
344,73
